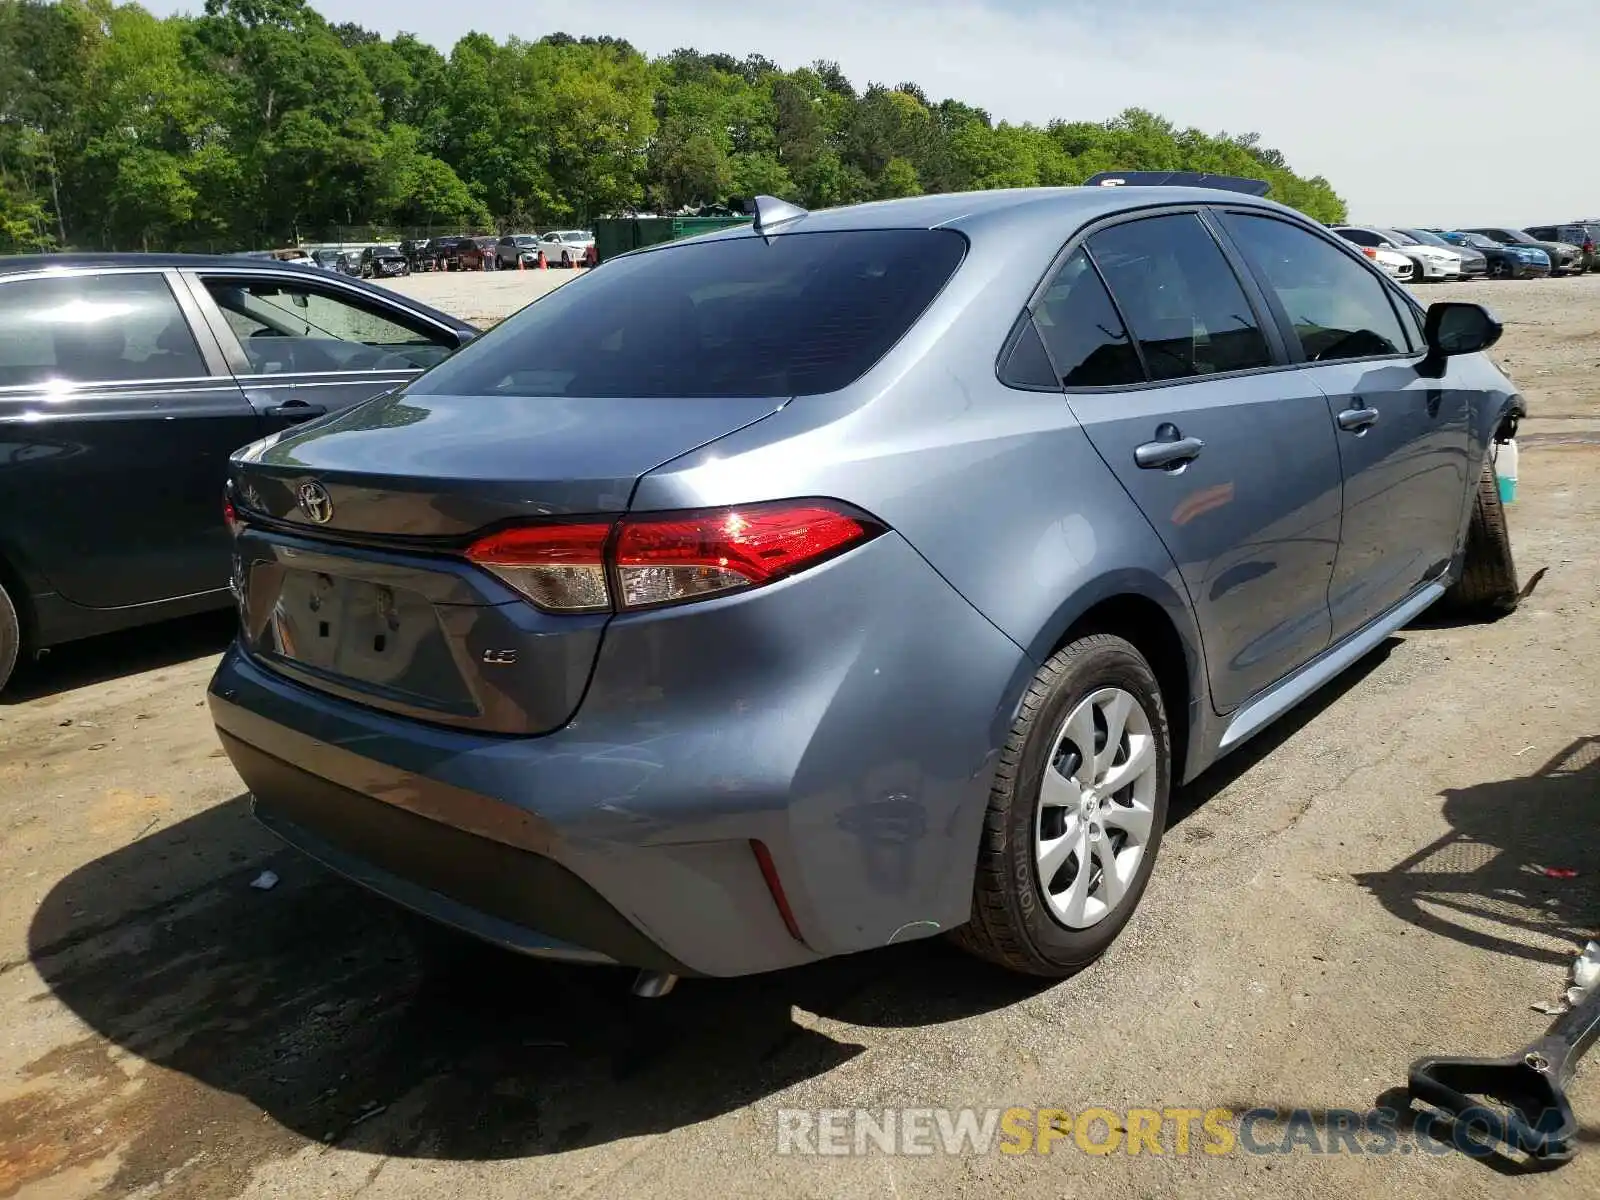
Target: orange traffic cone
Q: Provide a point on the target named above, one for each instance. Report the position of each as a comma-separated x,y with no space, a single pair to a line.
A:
521,266
543,266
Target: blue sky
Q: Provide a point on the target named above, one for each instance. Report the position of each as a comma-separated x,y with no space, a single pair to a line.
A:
1446,112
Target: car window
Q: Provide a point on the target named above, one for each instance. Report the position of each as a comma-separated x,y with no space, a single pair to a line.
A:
94,329
1396,238
285,327
1339,308
1360,237
1082,331
1179,297
1027,365
807,313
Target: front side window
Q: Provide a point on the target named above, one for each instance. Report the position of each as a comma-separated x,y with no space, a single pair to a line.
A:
287,327
1179,297
1082,331
109,328
802,314
1339,308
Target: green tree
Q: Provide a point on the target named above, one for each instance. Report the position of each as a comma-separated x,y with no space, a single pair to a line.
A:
258,121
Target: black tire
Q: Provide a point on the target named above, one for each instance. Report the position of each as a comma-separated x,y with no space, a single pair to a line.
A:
1011,924
566,260
1488,585
10,637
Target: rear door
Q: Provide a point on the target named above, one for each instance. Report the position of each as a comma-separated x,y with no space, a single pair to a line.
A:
1231,459
1403,437
301,348
117,416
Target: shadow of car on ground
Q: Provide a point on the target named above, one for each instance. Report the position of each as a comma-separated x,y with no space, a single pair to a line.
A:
329,1010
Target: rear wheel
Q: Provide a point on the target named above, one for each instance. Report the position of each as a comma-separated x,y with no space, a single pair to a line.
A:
10,637
1076,812
1488,584
566,259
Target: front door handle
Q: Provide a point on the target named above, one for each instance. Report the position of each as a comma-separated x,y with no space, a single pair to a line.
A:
1356,420
1171,451
297,410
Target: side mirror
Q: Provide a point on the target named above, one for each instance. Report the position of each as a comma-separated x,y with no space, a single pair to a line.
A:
1453,327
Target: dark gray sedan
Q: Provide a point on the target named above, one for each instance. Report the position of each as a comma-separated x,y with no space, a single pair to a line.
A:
125,381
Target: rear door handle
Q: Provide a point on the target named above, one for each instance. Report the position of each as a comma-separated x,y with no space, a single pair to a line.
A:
297,410
1356,420
1169,451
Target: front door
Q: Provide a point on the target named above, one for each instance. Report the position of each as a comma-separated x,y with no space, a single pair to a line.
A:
304,348
1233,464
114,439
1403,437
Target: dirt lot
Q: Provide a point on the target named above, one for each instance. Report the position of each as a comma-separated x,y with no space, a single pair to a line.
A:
482,297
1361,885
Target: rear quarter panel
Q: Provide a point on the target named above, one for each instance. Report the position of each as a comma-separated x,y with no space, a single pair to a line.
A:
998,489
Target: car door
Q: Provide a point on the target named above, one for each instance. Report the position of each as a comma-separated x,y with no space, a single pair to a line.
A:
1402,434
301,348
117,416
1231,459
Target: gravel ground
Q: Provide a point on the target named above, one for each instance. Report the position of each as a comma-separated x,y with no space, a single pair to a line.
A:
481,297
1361,885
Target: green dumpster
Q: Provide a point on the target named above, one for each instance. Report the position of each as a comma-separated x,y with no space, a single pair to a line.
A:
618,235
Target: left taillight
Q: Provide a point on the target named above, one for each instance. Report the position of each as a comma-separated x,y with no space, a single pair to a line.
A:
648,561
230,518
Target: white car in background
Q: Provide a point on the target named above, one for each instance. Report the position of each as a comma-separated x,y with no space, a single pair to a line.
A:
1394,264
566,247
1429,262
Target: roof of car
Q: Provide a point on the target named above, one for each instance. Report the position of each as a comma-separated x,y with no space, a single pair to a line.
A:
17,263
961,210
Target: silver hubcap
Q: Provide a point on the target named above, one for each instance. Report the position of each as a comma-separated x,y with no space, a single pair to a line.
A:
1096,807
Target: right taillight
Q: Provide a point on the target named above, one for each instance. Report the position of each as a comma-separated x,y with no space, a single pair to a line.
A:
646,561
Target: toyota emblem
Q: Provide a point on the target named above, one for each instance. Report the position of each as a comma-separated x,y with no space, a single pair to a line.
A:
315,501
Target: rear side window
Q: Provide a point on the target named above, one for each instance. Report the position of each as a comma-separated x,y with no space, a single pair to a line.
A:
1180,298
94,329
804,314
1082,330
1339,308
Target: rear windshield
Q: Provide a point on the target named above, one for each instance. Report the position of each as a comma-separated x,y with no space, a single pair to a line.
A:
803,314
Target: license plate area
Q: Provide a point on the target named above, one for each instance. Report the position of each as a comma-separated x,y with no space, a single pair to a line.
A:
379,636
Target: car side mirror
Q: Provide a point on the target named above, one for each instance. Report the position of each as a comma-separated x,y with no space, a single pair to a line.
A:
463,336
1453,327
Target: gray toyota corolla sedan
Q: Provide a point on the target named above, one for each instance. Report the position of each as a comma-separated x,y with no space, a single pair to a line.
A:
851,577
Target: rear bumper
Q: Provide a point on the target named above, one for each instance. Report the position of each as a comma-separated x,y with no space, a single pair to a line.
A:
499,892
851,733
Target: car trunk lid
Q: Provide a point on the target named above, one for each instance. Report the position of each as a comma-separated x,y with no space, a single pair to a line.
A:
349,566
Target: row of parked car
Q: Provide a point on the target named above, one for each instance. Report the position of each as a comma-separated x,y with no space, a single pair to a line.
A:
569,248
1427,254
